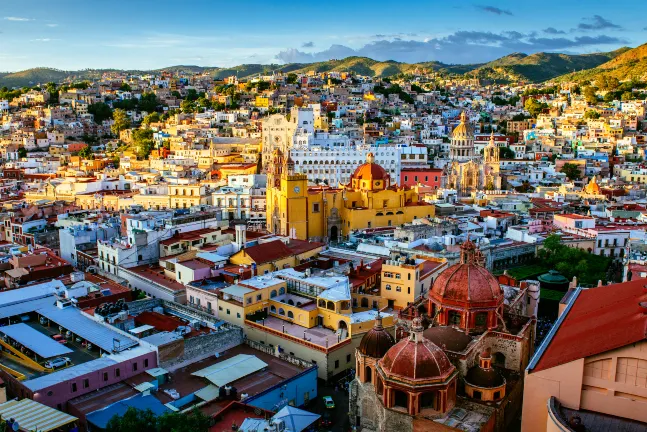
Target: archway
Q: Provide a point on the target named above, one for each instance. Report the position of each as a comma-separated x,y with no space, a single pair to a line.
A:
367,374
498,359
334,233
400,399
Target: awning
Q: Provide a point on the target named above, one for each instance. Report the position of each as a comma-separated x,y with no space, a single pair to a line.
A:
155,372
208,393
35,341
230,370
295,419
32,415
144,386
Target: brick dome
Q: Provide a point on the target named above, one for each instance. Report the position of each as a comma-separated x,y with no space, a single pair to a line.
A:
377,341
416,359
468,282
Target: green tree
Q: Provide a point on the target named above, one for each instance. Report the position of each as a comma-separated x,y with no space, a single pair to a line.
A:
187,106
121,121
292,78
534,107
192,95
148,102
100,111
592,114
153,117
572,171
590,95
125,87
506,153
146,421
22,152
86,152
626,96
143,142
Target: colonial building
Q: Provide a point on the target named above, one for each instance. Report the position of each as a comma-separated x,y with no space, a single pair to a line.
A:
464,371
369,200
467,171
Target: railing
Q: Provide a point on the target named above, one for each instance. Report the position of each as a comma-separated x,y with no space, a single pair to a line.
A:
297,340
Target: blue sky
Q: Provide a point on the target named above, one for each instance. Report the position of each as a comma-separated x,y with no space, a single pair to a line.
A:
137,34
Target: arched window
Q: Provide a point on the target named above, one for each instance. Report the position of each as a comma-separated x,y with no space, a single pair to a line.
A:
322,303
281,311
291,302
281,291
428,401
454,318
273,294
364,302
290,314
330,306
273,309
480,320
599,368
368,374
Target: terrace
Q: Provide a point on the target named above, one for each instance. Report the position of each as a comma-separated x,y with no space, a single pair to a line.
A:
320,338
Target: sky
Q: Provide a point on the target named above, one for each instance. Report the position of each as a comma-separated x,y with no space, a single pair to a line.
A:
138,34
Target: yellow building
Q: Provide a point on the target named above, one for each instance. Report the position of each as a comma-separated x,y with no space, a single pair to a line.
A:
185,196
326,213
275,255
406,280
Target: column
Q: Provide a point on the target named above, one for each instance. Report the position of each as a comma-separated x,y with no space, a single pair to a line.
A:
413,404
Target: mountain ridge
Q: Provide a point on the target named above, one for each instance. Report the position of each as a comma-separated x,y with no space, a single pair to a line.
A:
514,67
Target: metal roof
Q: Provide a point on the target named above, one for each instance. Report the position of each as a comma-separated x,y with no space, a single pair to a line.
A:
155,372
296,420
68,373
230,370
144,386
21,295
208,393
34,340
26,306
100,418
32,415
236,290
100,335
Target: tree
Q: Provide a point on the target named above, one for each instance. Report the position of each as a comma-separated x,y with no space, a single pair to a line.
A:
143,142
192,94
100,111
22,152
506,153
572,171
292,78
145,421
590,95
153,117
591,114
121,121
626,96
86,152
148,102
187,106
125,87
534,107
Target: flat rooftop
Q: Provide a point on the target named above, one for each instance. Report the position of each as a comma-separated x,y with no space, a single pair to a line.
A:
156,274
316,335
185,383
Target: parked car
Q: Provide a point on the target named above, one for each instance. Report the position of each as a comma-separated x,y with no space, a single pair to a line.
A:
59,338
57,362
330,404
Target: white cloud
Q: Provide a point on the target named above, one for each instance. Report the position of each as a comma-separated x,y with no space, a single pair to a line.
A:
12,18
52,25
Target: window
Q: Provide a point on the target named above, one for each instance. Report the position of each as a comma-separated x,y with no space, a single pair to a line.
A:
86,383
398,276
118,372
315,207
237,315
249,300
388,287
632,371
73,387
409,276
258,297
347,358
336,364
228,312
145,363
135,367
105,376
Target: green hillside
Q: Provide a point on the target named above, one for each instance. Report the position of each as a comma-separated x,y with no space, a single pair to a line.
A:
541,67
628,65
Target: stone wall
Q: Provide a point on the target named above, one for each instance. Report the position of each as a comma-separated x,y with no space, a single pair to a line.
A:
201,347
365,404
283,356
139,306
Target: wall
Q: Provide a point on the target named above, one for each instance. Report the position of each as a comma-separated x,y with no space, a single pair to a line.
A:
200,347
298,390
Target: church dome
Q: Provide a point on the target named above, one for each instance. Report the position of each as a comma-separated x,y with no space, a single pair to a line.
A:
416,358
370,175
463,129
377,341
467,281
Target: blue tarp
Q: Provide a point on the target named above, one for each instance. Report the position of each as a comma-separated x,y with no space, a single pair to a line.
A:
34,340
100,418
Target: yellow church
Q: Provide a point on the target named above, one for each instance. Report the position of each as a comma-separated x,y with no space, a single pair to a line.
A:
324,213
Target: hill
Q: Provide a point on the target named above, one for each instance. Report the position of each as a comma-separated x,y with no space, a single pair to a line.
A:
542,66
631,64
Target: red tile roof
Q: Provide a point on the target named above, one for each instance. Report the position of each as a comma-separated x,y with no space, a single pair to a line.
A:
600,319
268,252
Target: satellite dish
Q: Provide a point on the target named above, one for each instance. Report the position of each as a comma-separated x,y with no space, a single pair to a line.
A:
15,426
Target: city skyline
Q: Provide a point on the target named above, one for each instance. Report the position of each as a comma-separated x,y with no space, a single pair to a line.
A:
74,35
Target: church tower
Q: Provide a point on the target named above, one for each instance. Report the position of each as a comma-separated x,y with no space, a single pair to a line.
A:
461,147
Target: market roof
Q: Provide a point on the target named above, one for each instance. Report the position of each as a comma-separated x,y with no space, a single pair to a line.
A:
208,393
34,340
32,415
102,336
21,295
230,370
295,419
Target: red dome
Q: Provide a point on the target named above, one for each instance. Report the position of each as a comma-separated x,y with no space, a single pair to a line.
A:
377,341
370,171
467,283
417,359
